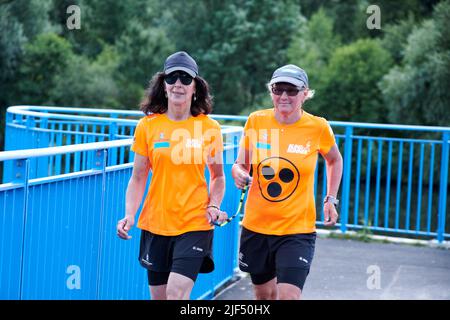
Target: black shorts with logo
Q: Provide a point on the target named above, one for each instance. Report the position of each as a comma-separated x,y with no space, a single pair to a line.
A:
287,257
187,254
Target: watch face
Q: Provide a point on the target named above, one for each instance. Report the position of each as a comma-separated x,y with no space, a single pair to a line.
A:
331,199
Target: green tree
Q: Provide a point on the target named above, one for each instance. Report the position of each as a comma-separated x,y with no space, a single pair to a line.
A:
396,11
12,40
349,19
20,20
350,16
350,91
58,17
395,37
310,7
312,48
417,91
237,44
44,58
86,83
142,53
51,74
104,21
32,15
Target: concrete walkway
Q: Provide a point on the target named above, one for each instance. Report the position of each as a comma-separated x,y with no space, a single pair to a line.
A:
350,269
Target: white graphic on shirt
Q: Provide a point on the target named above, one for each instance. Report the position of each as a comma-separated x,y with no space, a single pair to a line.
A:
298,148
194,143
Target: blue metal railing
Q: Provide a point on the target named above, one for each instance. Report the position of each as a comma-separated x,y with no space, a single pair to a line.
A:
29,127
55,229
395,182
395,177
415,213
67,200
27,122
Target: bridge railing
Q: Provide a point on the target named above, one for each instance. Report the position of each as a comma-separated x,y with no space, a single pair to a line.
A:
395,179
58,238
33,127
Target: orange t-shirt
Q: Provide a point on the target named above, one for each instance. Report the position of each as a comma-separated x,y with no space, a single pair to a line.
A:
178,150
283,158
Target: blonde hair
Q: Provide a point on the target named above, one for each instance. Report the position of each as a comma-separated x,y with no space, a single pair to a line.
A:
310,94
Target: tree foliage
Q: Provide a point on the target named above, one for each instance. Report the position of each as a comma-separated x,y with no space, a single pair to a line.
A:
350,91
313,46
43,59
237,44
416,92
397,74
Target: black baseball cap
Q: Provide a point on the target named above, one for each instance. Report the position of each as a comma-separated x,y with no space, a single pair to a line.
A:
181,61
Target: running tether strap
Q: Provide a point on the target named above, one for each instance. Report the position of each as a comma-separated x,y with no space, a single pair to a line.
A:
238,211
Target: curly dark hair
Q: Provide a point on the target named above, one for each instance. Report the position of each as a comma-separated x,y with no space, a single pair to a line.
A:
156,102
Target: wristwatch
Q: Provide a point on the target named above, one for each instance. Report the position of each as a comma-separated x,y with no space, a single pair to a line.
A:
331,199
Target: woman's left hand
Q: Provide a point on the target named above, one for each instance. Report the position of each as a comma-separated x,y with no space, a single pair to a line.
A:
215,215
330,214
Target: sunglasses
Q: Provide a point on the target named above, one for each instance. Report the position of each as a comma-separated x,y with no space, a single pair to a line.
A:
290,91
185,79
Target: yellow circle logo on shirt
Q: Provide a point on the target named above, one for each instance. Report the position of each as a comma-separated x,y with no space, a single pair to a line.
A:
278,178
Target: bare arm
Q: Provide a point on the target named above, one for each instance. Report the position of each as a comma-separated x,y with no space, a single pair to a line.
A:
216,189
135,192
241,168
334,162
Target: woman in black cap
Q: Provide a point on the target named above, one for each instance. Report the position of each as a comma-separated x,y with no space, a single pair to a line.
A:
281,145
176,140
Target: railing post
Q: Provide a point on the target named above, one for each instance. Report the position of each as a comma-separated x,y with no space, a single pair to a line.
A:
113,131
443,187
347,175
232,154
43,142
100,163
31,143
21,174
9,138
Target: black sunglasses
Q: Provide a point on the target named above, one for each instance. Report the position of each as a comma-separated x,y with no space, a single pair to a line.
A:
185,79
290,91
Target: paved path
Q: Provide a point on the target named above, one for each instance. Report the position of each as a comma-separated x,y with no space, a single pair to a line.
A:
347,269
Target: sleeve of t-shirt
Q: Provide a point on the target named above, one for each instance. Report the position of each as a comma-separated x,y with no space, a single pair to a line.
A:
216,140
139,145
327,139
246,142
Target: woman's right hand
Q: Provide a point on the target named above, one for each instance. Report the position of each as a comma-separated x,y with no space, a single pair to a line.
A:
241,177
123,226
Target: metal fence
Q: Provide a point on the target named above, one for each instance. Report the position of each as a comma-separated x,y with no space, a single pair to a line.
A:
395,182
29,127
57,231
395,179
58,239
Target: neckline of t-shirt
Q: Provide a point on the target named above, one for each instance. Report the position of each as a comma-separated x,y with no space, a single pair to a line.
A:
178,121
290,125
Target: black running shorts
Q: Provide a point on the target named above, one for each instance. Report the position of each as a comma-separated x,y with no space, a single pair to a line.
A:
286,257
188,254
